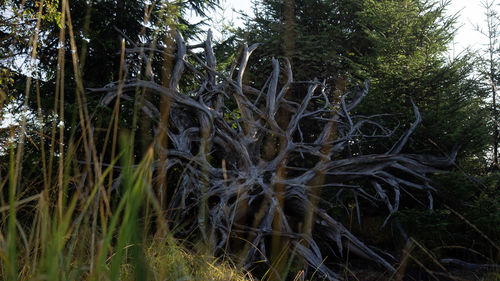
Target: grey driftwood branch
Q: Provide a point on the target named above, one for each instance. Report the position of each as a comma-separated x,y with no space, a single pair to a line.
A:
243,160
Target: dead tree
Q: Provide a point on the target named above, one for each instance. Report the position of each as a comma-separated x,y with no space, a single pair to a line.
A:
248,162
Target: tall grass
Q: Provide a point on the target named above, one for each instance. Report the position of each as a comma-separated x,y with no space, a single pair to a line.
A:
84,222
56,243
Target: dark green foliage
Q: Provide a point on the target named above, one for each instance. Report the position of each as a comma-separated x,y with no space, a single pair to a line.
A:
409,42
98,28
400,47
466,235
323,35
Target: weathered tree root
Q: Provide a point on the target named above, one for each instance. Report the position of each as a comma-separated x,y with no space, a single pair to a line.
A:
247,169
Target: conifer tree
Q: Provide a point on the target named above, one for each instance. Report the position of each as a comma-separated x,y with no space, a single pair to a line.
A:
399,46
489,70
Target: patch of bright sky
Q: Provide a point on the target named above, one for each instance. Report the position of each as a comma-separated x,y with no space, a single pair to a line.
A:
228,14
237,5
470,14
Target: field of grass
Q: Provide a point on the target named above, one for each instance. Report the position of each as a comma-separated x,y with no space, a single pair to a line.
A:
63,233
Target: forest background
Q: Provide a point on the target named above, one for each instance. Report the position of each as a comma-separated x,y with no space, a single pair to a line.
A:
82,178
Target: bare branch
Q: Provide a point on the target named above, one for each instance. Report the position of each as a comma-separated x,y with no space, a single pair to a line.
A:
207,129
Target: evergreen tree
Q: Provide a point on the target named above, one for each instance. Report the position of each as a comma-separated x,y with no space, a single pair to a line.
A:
409,40
488,67
315,35
93,30
98,28
399,46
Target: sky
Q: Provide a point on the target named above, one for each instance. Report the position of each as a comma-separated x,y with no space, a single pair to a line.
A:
470,13
230,5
